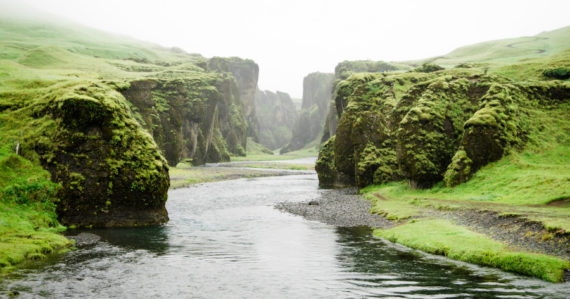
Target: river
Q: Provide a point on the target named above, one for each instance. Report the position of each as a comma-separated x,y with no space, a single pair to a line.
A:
226,239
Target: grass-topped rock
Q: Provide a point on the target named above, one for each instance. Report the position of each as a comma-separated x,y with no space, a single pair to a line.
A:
425,127
110,170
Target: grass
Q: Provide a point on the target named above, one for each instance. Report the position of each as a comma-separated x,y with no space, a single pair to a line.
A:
184,177
257,155
507,50
523,182
40,62
287,166
29,229
442,237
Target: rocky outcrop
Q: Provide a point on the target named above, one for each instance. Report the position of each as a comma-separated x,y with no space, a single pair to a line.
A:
342,71
111,171
277,115
427,127
195,118
246,72
317,90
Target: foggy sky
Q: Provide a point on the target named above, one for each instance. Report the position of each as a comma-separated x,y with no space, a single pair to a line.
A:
289,39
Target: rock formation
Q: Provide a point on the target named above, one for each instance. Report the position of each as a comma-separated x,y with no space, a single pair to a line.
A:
427,127
277,115
246,72
110,169
195,118
317,90
341,72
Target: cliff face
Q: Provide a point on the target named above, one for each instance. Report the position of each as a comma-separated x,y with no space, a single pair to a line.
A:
342,71
246,73
317,90
428,127
277,115
110,170
196,118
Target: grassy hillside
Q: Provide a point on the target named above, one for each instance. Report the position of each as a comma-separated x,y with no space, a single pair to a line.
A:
504,51
508,208
43,64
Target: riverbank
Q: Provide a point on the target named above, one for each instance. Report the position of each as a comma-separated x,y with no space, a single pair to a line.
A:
487,234
29,230
186,176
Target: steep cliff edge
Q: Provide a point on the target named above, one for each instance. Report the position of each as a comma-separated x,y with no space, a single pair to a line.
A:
342,71
110,170
246,72
63,108
317,90
428,127
198,118
277,115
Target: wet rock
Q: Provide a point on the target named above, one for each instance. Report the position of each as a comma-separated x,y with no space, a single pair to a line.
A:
85,239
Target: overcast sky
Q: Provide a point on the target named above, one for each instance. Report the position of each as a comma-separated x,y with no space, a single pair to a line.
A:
289,39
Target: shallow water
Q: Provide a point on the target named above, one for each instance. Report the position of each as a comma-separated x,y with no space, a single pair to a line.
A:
225,239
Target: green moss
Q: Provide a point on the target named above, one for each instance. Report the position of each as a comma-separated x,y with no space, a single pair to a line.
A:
428,68
456,242
459,170
28,223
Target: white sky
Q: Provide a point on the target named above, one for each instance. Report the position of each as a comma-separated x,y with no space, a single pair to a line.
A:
289,39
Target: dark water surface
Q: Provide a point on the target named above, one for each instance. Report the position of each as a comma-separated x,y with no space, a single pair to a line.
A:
225,240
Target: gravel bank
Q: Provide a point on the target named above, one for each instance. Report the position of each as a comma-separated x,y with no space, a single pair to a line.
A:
340,207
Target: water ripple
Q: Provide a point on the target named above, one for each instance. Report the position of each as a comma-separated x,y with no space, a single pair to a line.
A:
225,239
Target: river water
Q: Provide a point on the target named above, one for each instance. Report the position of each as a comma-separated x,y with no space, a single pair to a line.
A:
226,240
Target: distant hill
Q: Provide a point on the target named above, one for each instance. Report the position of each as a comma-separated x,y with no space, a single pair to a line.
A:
506,50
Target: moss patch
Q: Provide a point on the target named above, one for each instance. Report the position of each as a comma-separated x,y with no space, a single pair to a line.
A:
445,238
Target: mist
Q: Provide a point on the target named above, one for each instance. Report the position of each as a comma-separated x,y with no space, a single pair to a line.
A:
289,39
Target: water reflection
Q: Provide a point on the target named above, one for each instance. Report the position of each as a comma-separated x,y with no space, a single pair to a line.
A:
398,271
152,239
225,239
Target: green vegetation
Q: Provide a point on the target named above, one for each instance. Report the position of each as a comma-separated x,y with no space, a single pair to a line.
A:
428,68
317,88
506,51
82,148
445,238
487,134
184,176
256,152
28,222
276,115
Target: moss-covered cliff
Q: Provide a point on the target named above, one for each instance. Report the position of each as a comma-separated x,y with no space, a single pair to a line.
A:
428,127
317,90
246,72
110,170
276,115
198,118
343,70
81,103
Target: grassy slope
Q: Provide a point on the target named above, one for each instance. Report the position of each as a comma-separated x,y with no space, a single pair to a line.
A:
28,223
504,51
443,237
522,183
38,59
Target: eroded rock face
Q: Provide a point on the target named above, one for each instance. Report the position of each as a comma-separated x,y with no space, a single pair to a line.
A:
428,127
317,90
276,115
196,118
344,70
111,171
246,73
